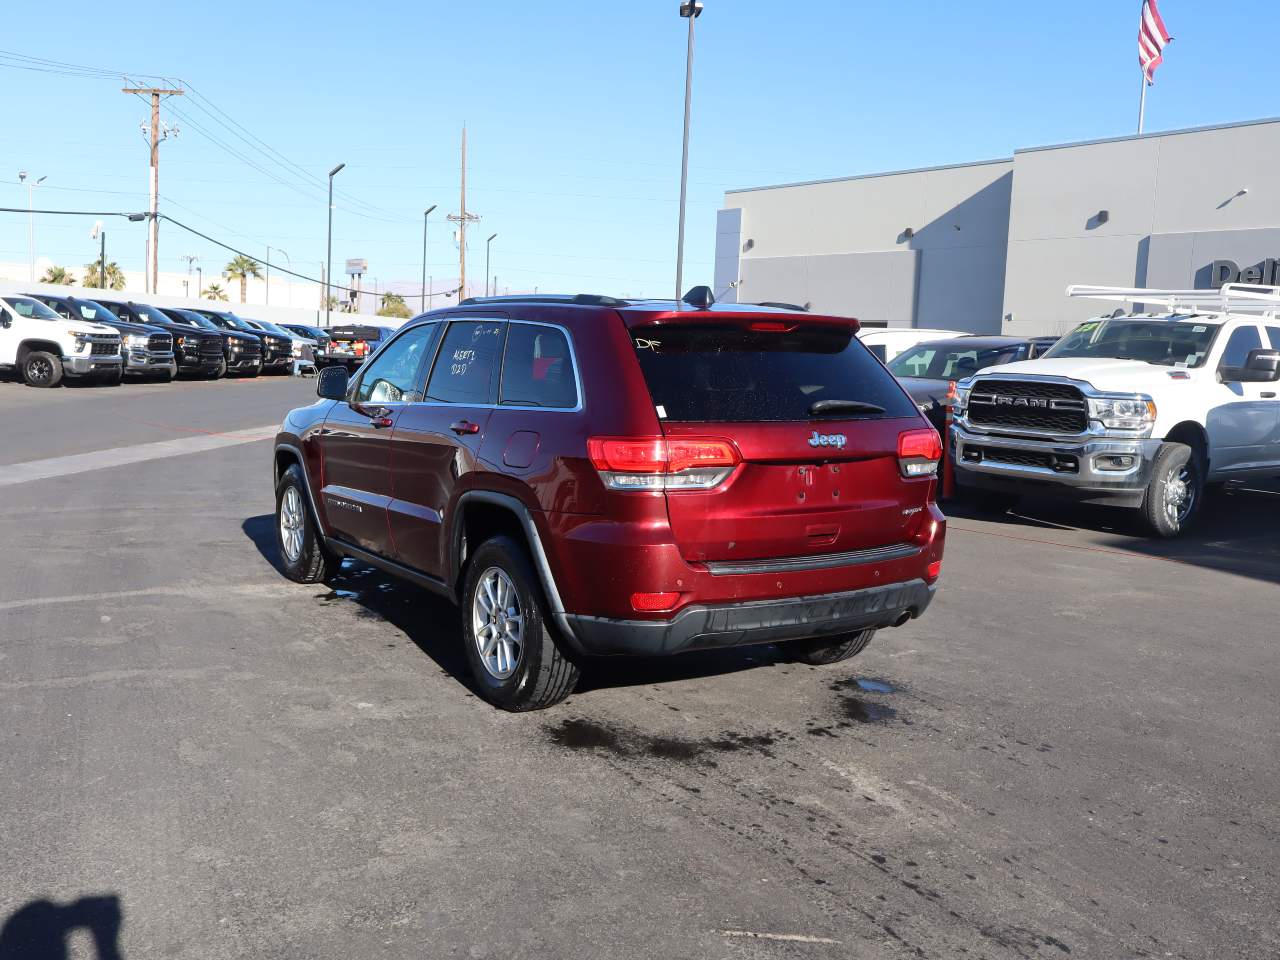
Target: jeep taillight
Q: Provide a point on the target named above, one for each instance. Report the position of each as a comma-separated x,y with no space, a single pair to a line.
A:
919,452
662,463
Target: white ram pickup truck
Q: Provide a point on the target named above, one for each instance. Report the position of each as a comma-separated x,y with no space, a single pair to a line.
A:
1139,410
44,348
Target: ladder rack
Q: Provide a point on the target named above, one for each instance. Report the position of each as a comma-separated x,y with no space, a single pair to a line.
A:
1231,298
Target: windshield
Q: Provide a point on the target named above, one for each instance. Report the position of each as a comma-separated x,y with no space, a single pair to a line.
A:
727,373
230,321
95,312
1176,342
272,328
31,309
937,361
149,314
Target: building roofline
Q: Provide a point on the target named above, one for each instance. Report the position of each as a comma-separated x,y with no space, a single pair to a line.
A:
1151,136
872,176
983,163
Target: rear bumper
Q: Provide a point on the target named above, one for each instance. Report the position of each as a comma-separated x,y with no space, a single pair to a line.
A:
760,621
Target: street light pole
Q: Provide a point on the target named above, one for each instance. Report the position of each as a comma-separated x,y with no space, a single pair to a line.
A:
288,288
31,219
199,283
486,264
266,297
689,9
426,213
328,271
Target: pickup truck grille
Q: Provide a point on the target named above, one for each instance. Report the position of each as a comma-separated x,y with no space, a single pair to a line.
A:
211,349
104,347
1056,407
160,343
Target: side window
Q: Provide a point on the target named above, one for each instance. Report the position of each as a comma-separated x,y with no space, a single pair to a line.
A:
878,350
467,361
537,369
6,318
394,377
61,310
1243,339
1274,334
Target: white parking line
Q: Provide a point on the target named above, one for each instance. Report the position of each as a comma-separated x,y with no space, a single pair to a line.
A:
120,456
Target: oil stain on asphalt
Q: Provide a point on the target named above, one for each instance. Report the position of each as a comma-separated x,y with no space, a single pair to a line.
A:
580,733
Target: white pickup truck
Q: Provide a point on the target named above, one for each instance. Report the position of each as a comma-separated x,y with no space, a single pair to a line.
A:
44,348
1140,410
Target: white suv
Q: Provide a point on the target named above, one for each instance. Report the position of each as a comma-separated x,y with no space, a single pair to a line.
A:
1140,410
44,348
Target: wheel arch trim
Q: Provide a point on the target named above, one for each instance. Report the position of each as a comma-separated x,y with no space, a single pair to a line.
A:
306,479
533,538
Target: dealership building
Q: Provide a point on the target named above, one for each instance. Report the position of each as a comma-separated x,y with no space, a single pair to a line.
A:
990,247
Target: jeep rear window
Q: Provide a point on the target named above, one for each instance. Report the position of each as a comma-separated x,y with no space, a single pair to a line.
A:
726,373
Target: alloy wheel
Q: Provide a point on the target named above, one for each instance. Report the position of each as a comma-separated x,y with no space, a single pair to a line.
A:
497,623
1180,494
292,524
39,370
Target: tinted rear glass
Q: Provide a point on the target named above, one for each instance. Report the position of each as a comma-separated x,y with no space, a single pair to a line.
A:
724,373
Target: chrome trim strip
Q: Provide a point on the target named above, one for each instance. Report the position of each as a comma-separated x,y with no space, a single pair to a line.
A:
852,558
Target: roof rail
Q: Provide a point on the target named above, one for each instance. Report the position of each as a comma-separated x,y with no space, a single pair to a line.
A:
1231,298
582,299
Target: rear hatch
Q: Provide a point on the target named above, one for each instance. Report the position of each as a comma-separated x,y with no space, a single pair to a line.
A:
816,420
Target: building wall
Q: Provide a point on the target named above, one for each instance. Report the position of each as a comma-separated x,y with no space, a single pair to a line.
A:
842,245
1174,205
995,245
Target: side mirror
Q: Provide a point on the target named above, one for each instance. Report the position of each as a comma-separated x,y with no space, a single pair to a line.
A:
1262,366
6,321
332,383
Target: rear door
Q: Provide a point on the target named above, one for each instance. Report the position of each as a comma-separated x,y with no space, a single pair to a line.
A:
815,478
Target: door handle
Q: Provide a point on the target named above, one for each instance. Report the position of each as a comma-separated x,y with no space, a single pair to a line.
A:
464,426
1268,395
380,420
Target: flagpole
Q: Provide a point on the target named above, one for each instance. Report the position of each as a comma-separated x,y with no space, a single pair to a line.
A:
1142,104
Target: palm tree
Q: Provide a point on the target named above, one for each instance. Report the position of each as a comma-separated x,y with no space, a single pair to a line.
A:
393,305
214,291
242,268
115,277
58,275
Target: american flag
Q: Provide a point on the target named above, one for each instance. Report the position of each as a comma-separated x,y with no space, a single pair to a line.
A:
1152,39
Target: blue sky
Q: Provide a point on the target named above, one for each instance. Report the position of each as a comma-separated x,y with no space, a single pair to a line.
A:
573,112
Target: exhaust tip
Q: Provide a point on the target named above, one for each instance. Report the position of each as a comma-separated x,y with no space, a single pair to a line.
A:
902,618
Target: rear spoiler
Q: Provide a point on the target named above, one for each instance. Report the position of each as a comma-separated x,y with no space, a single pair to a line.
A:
638,316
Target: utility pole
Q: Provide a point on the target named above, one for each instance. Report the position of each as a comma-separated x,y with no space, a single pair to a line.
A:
689,9
462,219
154,135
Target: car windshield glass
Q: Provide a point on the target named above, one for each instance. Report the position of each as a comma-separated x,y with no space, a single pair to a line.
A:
937,361
149,314
272,328
96,312
1179,342
33,309
727,373
186,316
234,322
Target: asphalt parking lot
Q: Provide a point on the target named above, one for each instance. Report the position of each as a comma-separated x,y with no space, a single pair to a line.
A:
1073,753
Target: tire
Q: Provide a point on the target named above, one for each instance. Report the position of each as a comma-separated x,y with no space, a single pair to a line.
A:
824,650
165,377
1175,492
303,555
252,372
112,379
218,373
41,369
541,674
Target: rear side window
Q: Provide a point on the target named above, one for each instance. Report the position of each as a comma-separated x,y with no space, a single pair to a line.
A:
726,373
1274,334
537,370
467,362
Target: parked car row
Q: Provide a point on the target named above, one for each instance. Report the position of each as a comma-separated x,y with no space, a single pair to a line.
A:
48,338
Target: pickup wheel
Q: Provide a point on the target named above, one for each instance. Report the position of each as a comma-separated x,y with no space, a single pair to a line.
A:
113,378
823,650
218,372
1175,491
303,555
514,657
41,369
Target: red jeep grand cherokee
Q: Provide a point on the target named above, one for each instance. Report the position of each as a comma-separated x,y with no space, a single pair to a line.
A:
585,475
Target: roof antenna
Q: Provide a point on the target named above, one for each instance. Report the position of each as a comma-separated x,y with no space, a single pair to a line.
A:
700,297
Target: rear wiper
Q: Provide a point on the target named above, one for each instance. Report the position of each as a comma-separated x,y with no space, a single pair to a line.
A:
824,407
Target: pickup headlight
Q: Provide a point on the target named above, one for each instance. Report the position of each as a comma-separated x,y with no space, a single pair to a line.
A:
82,341
1122,413
137,340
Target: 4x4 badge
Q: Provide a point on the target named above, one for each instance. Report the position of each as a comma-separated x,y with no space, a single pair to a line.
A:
827,439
